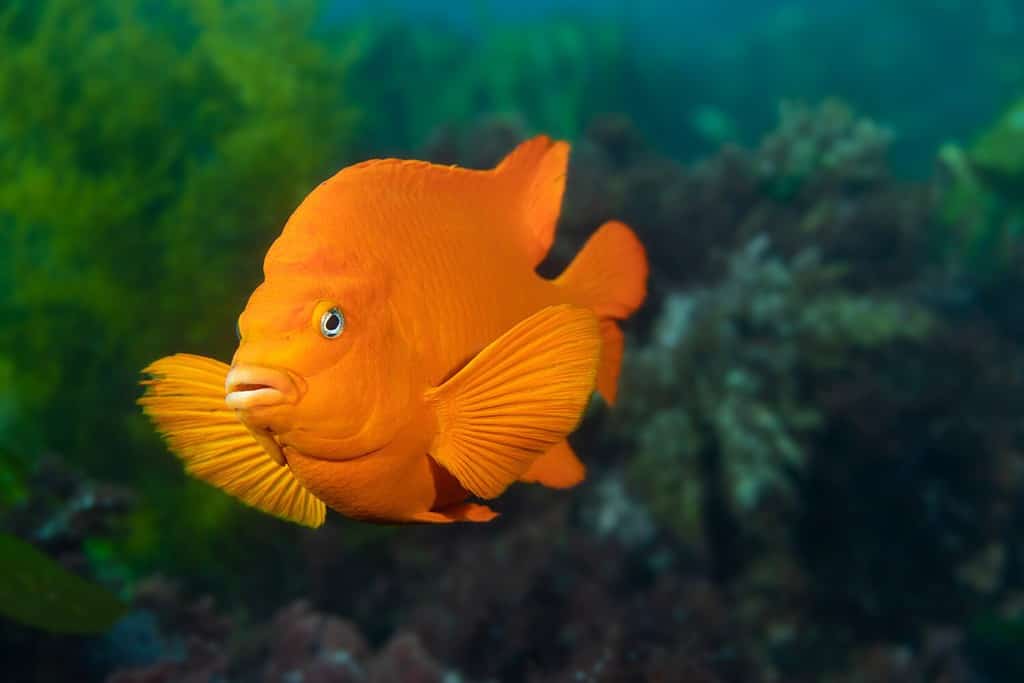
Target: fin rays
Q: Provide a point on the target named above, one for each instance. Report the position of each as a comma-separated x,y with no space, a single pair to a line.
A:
516,399
185,401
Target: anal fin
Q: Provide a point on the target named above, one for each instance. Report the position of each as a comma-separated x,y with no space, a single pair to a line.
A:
557,468
612,348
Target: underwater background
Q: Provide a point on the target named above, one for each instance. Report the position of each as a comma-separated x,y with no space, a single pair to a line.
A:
815,470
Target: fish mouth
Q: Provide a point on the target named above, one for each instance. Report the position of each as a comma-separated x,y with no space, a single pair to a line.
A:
251,386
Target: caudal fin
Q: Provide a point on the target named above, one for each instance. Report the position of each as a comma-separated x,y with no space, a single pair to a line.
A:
609,276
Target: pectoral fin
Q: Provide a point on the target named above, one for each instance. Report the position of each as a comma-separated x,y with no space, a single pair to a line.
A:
516,399
185,400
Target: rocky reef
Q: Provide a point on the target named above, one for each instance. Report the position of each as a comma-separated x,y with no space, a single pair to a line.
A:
817,402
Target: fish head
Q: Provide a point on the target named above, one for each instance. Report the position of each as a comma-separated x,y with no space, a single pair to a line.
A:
321,366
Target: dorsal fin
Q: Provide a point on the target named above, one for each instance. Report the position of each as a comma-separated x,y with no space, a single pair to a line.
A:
519,200
534,173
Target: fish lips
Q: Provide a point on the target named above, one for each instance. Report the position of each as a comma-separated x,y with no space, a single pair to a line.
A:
248,387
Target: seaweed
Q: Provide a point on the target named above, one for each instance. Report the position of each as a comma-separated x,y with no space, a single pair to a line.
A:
162,148
36,591
827,145
550,74
727,374
999,152
982,211
827,425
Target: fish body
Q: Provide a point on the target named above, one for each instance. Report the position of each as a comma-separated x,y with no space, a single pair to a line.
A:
402,353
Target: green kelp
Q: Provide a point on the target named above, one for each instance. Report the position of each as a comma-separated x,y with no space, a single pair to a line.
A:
161,149
718,402
983,202
552,74
557,73
36,591
999,152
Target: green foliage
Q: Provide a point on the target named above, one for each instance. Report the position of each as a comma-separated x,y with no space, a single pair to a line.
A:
983,205
150,152
995,643
554,74
36,591
999,152
742,353
12,479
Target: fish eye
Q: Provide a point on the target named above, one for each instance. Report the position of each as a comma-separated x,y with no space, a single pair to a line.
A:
332,323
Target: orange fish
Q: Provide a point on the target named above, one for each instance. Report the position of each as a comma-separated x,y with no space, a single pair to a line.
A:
402,355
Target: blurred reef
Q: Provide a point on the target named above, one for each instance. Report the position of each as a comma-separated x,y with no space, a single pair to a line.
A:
815,470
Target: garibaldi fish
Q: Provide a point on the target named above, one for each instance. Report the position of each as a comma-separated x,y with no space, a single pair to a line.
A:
402,359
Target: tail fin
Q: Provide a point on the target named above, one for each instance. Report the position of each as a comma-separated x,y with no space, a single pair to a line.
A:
535,173
609,275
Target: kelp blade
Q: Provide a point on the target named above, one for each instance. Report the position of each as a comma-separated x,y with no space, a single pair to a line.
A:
36,591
